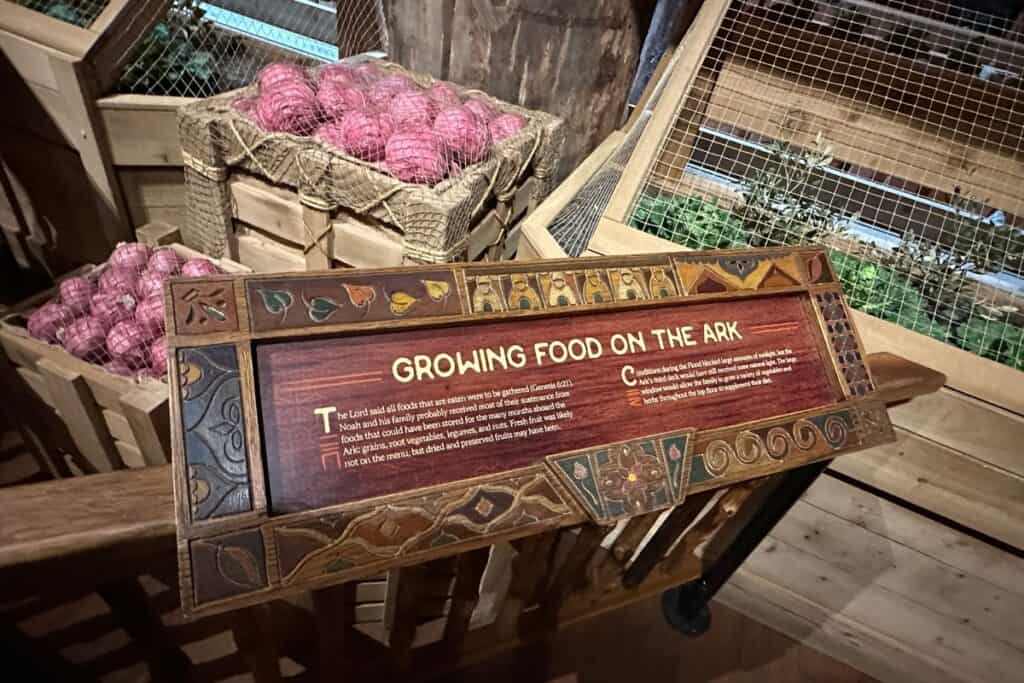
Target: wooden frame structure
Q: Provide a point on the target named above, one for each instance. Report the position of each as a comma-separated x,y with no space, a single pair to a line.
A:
54,71
217,324
123,524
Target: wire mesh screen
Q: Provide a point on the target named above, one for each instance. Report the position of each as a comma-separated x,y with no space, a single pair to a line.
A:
200,49
78,12
574,225
889,133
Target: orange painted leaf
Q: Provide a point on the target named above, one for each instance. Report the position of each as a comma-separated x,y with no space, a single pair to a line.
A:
361,296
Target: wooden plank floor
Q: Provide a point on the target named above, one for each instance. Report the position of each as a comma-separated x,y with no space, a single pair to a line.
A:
636,644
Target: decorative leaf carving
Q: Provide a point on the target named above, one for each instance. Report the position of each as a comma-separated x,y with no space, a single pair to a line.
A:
320,308
361,296
276,301
401,302
437,290
215,313
238,566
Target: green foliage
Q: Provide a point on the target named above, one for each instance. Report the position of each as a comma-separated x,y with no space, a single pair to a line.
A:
939,271
872,284
178,55
777,206
70,12
689,221
883,293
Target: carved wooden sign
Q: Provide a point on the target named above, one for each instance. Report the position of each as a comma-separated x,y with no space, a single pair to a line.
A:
327,426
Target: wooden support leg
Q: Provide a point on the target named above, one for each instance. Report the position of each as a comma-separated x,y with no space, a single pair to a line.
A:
527,572
318,247
403,631
465,594
254,635
334,608
128,602
572,573
675,524
686,607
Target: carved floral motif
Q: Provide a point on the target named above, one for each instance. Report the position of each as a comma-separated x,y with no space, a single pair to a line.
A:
214,431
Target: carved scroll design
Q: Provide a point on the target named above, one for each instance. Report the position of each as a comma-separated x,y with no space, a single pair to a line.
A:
204,307
213,431
808,437
846,352
627,479
339,542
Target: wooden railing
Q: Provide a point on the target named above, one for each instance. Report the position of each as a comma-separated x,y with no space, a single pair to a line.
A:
100,532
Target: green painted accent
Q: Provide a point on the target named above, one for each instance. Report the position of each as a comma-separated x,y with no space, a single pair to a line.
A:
580,473
276,301
321,308
698,472
338,565
675,457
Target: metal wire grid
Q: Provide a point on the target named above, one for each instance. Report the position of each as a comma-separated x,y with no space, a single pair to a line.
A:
574,225
782,145
204,48
78,12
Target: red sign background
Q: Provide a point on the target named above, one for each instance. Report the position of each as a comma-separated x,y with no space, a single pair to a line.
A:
308,469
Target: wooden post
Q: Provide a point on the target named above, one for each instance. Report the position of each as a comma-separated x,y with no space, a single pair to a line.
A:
335,613
531,53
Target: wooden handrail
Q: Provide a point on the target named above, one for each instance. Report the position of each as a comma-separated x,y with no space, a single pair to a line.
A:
100,512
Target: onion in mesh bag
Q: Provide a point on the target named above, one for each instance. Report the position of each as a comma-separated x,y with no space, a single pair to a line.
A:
338,97
463,134
363,134
275,75
414,156
505,126
76,293
48,322
84,338
288,108
412,110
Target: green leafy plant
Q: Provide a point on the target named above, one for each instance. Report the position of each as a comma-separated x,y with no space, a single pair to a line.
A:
777,206
690,221
178,56
79,14
941,270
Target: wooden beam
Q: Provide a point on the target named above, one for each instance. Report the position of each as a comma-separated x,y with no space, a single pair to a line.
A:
691,53
54,519
50,34
975,111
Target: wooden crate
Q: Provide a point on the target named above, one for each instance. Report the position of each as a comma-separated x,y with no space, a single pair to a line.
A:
956,459
234,169
52,72
270,231
115,422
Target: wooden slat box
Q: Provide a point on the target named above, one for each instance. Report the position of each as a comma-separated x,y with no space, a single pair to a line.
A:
956,458
115,421
224,152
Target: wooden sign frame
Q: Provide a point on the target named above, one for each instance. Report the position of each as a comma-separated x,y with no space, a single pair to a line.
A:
233,551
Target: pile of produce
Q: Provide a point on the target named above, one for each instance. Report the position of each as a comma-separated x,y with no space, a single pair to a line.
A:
114,316
418,135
